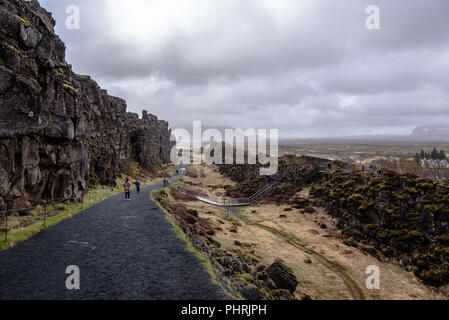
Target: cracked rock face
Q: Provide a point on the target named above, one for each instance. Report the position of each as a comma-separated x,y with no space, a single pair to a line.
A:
59,131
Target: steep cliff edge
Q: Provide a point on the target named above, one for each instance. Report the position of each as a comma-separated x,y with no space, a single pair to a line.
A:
60,131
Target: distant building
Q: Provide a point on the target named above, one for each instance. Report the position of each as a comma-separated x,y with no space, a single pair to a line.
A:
434,164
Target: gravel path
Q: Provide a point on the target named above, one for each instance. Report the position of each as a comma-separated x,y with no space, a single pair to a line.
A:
124,250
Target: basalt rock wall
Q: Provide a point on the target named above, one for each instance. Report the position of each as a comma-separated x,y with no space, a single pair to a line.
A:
59,131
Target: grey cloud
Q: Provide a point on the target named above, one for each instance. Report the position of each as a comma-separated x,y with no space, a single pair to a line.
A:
246,66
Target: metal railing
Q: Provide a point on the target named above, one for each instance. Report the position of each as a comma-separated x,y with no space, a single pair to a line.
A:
262,191
218,200
5,225
247,201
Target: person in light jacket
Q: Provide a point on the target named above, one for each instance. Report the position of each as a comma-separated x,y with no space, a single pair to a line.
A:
127,187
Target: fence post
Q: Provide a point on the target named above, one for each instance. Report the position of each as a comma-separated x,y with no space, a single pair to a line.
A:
45,215
6,227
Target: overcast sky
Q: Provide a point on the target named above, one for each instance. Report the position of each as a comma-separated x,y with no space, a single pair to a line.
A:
307,67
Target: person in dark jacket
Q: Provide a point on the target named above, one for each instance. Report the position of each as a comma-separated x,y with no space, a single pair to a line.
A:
137,183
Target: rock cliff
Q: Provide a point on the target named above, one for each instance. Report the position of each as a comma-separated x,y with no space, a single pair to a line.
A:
59,131
399,217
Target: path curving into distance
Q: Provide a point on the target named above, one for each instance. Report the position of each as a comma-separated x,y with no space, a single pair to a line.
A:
124,250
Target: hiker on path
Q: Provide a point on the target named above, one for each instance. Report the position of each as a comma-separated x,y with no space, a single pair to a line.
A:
165,182
137,183
127,187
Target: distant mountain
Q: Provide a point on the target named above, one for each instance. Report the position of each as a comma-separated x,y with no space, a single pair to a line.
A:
436,131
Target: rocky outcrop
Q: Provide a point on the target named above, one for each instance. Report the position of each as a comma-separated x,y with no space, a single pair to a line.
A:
400,218
59,131
392,216
290,177
282,276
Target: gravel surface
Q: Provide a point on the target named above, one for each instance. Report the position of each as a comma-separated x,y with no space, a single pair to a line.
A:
124,250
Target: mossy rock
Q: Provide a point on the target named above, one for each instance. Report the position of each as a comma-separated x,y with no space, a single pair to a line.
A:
365,205
399,233
416,234
382,236
433,208
356,197
426,185
381,187
444,239
445,199
25,22
70,89
399,196
434,277
233,229
350,242
412,191
356,234
444,250
371,227
248,277
369,249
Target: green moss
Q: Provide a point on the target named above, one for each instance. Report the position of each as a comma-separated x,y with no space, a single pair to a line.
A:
432,208
25,22
356,198
248,277
356,234
365,205
11,47
382,235
445,199
69,88
398,233
444,239
412,191
399,196
415,234
425,185
381,187
371,226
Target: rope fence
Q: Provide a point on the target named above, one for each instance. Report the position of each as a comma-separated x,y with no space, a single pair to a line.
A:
6,224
